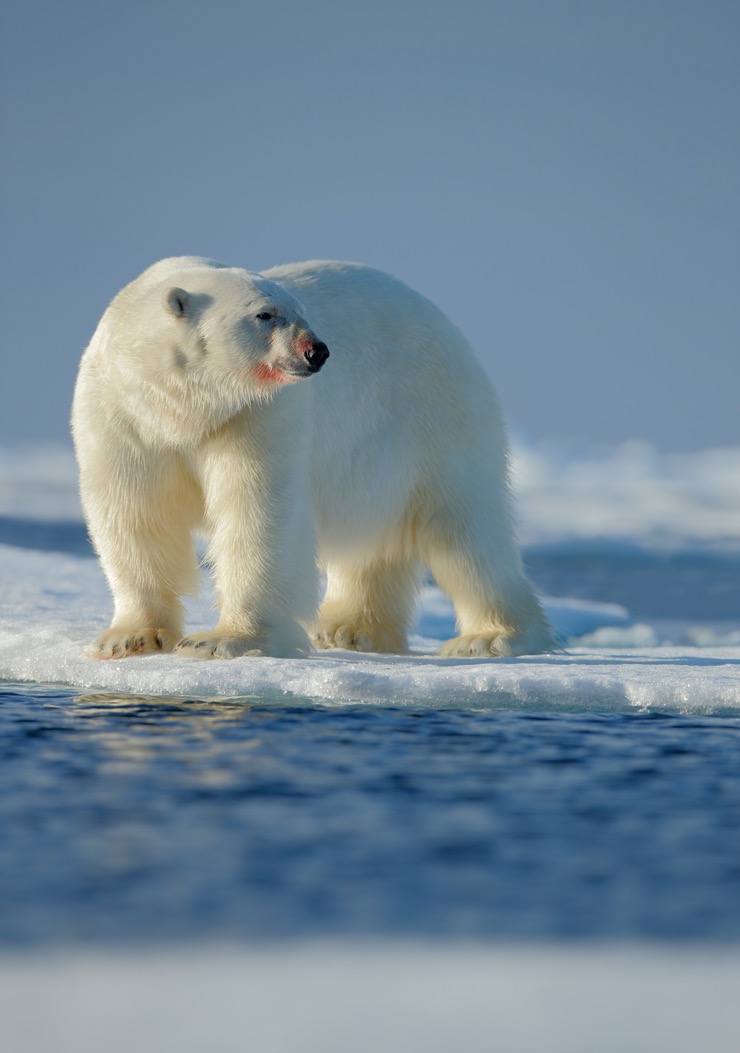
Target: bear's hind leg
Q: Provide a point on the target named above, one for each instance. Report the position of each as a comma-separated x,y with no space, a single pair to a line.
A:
475,561
368,607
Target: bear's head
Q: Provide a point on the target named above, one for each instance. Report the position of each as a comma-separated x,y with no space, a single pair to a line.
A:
190,343
239,326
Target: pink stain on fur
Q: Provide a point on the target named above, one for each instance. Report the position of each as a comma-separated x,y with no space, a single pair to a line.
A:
269,374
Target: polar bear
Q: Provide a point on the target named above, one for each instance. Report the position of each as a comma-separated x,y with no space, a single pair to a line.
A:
319,414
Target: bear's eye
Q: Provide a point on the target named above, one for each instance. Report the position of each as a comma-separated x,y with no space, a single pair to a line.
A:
265,316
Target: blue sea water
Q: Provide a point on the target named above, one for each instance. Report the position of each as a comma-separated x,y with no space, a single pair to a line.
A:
154,818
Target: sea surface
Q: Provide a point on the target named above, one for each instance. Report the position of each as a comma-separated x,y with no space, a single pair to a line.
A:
155,818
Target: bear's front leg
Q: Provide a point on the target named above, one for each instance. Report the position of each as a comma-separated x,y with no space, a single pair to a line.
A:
140,513
258,511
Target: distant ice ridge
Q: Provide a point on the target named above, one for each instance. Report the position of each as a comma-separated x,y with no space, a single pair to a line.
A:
630,492
53,605
39,481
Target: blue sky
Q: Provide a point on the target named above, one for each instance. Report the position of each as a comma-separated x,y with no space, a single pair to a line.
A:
561,178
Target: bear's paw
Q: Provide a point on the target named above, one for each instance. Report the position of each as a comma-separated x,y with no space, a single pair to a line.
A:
349,636
115,643
219,645
479,645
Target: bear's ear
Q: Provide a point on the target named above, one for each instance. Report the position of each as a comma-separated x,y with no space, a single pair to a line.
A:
178,302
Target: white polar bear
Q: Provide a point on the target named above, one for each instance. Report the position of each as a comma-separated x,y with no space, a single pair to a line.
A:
188,417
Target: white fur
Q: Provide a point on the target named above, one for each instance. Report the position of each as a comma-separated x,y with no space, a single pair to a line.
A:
187,419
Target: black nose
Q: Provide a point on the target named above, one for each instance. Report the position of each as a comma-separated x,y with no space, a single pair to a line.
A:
316,355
